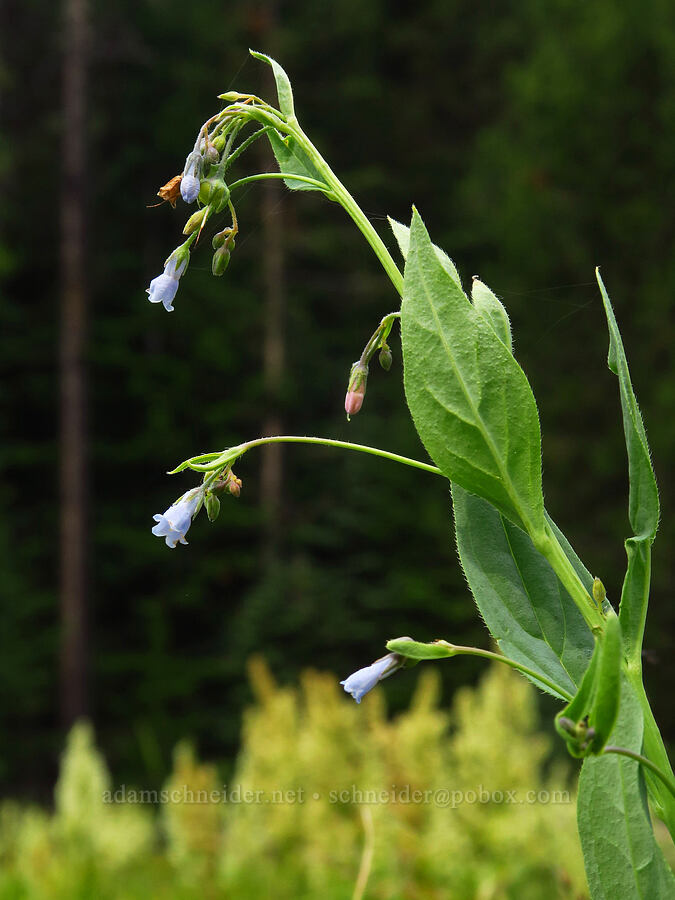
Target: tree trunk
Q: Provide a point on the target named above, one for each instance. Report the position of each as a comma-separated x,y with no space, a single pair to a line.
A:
73,453
272,210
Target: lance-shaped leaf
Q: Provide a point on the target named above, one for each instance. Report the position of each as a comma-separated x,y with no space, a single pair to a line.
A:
284,90
643,501
524,605
290,156
470,400
621,855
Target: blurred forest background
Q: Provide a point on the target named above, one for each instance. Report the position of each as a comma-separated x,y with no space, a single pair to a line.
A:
537,140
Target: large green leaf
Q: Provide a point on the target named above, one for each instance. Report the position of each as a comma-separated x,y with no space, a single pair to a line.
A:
643,502
471,402
621,855
524,605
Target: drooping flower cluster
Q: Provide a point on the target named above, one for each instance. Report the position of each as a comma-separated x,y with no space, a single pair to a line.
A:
358,374
174,523
202,180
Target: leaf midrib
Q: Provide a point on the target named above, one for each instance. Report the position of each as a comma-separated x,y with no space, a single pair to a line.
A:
506,480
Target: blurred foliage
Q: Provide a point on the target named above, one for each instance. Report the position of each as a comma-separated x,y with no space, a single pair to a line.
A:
536,139
302,750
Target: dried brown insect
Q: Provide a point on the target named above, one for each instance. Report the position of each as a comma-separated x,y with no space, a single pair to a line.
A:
169,192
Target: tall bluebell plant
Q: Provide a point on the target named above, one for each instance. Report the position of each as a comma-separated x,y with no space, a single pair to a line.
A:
476,415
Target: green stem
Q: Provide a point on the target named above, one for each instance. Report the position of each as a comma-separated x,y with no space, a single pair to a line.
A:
631,754
263,176
498,657
655,750
367,854
549,546
378,337
336,189
227,455
343,196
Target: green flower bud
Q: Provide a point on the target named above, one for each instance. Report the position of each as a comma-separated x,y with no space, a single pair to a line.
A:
568,726
385,357
224,238
220,261
219,142
197,220
599,592
212,505
214,192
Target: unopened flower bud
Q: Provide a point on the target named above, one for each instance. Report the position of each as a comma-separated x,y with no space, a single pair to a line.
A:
215,192
356,390
189,188
219,142
224,238
568,726
220,261
234,485
385,357
212,504
599,592
197,220
228,484
211,155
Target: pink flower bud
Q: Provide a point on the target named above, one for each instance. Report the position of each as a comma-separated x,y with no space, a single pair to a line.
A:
354,401
356,389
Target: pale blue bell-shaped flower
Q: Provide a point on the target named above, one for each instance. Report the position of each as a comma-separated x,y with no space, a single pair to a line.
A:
365,679
174,524
189,188
163,288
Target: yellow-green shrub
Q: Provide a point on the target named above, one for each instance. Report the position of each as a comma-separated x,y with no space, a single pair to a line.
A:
317,742
297,835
